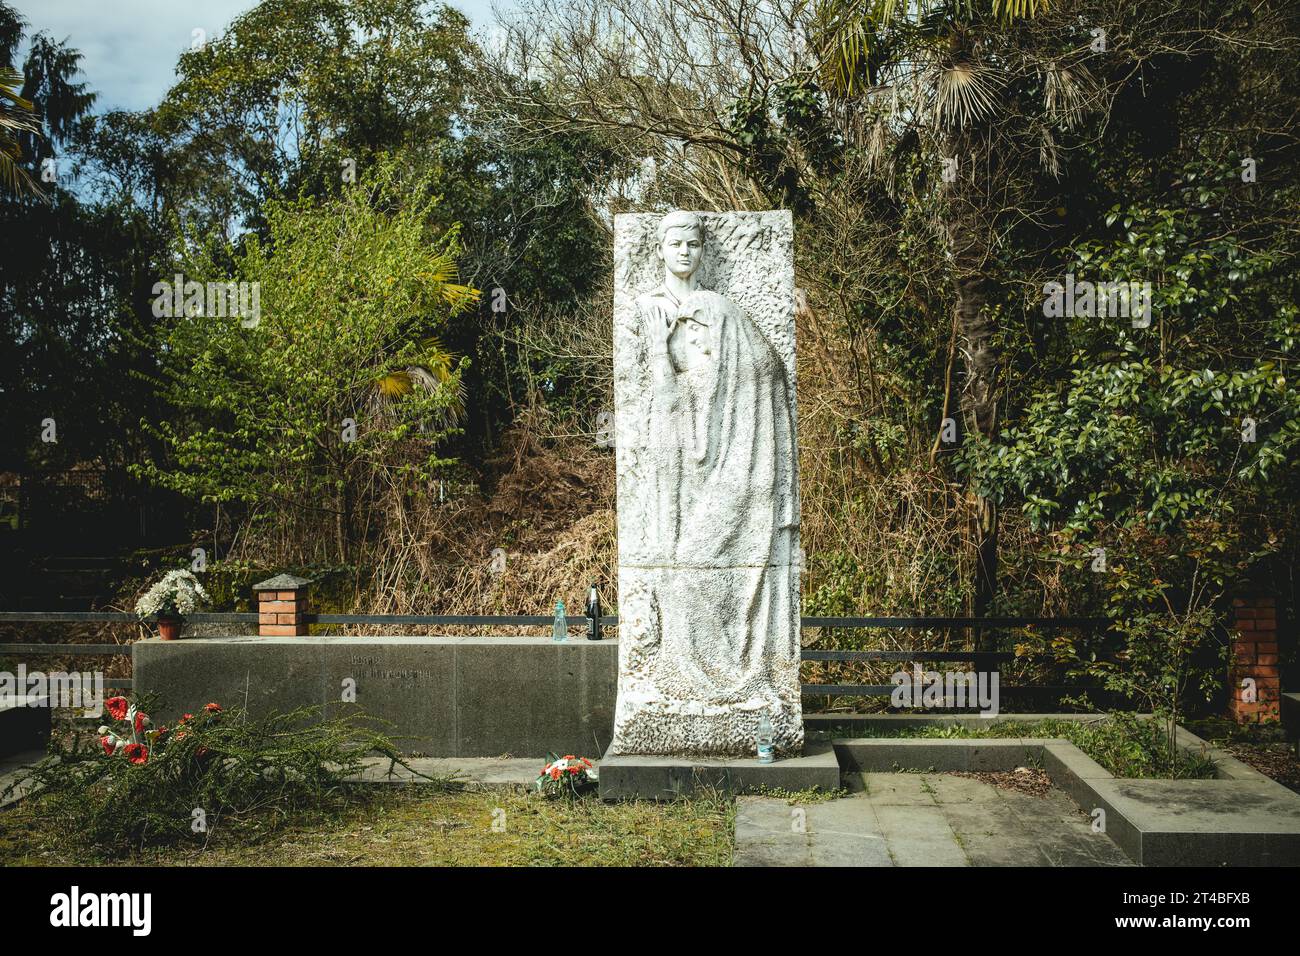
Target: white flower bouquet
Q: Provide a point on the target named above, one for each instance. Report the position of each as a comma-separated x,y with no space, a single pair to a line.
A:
176,595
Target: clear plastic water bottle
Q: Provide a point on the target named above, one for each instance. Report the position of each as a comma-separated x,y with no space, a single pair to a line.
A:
765,739
559,629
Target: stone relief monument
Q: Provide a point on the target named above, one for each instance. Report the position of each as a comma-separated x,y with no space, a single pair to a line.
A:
708,484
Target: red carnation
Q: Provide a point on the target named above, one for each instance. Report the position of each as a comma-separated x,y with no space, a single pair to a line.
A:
187,717
117,706
137,753
212,708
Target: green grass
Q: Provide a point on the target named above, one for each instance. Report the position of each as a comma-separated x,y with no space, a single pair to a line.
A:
798,797
418,826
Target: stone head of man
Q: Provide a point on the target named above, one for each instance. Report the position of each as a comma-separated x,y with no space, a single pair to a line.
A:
681,243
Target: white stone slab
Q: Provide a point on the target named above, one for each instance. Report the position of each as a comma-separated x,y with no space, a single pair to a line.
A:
708,487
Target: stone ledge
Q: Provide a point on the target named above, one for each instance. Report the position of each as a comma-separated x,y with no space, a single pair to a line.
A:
635,776
899,753
932,719
489,773
436,696
1241,818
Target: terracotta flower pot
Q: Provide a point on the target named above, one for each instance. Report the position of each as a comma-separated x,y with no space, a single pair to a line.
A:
169,628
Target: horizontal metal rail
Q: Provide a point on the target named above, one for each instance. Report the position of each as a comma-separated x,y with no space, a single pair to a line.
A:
244,617
980,623
494,620
814,654
987,659
885,690
83,650
117,617
525,620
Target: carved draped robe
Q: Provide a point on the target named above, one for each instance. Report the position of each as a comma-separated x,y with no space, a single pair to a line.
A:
710,606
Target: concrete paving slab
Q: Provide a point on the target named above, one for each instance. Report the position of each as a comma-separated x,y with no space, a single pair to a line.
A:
911,819
773,832
897,789
990,833
919,835
1062,832
846,833
948,789
764,835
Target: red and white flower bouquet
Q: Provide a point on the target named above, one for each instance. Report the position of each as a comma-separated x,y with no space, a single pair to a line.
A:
132,734
568,775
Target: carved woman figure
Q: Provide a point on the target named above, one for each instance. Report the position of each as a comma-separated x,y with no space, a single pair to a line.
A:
724,513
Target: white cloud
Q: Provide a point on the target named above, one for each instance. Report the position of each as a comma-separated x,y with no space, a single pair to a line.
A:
130,47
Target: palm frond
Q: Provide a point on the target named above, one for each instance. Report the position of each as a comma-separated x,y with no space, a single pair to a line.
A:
1067,93
965,93
432,368
1019,9
1048,155
878,142
394,384
11,81
845,31
17,115
459,296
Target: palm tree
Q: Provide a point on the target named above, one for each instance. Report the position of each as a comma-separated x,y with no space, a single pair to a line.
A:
944,74
17,116
430,367
429,371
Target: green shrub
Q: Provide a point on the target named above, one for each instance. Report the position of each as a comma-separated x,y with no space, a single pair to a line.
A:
218,770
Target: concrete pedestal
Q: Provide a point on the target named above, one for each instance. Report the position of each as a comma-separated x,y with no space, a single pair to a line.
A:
634,776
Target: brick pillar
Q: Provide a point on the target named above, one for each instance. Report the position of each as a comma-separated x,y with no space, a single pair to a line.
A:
281,603
1254,655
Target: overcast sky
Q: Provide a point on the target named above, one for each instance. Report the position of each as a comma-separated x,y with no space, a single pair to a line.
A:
130,46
